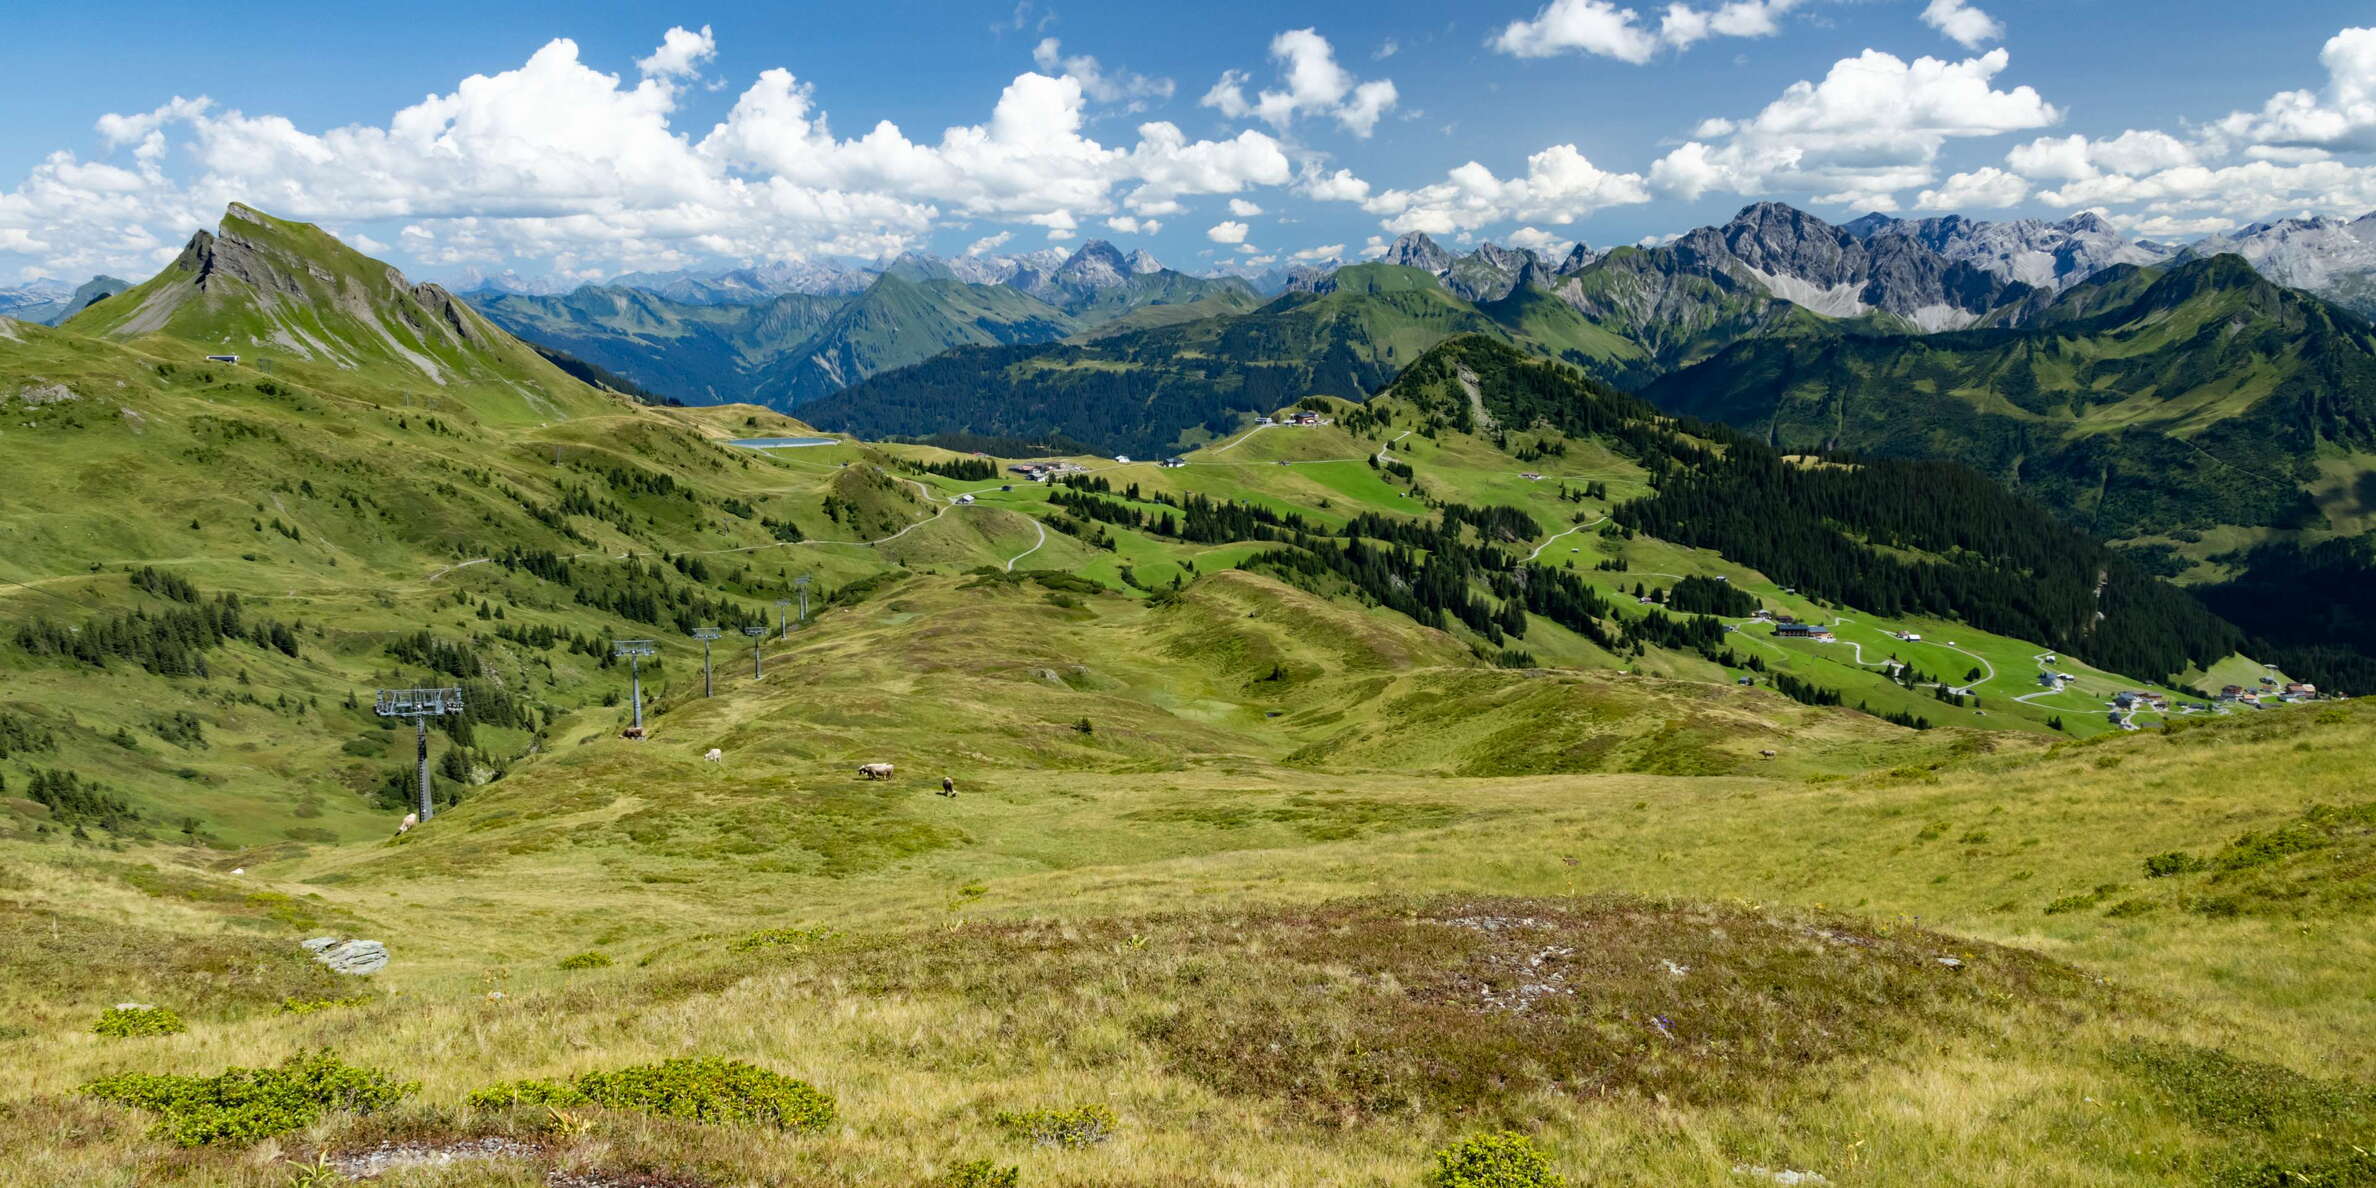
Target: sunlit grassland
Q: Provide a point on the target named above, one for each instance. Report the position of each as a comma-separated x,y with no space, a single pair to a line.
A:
1127,860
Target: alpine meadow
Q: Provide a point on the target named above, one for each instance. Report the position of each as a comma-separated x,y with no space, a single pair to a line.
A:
597,629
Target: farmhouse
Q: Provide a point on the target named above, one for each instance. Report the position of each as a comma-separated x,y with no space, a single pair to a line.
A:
1303,418
1803,631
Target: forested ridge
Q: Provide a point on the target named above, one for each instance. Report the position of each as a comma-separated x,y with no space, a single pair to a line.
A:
1892,537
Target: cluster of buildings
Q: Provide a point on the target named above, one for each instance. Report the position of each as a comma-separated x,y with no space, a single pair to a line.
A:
1040,472
2271,691
1300,416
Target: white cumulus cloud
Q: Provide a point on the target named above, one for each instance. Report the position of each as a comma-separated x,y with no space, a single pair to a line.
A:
1226,231
561,162
1962,24
1873,126
1560,186
1311,83
680,55
1608,30
1985,188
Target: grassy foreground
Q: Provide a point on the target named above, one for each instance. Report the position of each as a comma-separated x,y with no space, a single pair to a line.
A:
1270,972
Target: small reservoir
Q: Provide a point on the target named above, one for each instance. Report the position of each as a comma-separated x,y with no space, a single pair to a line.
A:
782,443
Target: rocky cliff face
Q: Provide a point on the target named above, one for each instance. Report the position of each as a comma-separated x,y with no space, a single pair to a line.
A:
1578,258
2044,255
1826,269
1491,272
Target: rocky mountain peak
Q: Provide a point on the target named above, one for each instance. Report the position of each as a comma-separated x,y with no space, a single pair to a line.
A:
1415,250
1098,265
1491,272
919,266
1863,226
1142,262
2087,222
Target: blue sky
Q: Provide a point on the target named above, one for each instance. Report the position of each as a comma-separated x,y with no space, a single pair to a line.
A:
449,137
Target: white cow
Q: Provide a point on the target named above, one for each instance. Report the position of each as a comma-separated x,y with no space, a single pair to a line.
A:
874,771
715,755
405,826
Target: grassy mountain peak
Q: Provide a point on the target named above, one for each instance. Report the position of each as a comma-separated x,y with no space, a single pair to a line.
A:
283,294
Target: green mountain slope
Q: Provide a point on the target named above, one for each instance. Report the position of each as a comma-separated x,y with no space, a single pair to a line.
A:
291,299
796,347
2139,402
2196,411
1160,387
702,354
896,322
375,527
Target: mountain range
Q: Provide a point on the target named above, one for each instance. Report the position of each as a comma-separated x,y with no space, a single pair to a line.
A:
2182,401
50,302
743,334
783,339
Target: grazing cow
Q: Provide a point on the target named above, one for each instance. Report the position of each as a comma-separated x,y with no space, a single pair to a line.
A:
948,786
714,755
405,826
874,771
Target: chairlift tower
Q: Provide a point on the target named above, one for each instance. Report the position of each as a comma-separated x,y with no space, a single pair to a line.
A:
705,635
635,650
801,584
420,705
783,620
757,632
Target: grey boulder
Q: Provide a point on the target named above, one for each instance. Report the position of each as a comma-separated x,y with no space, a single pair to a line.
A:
349,956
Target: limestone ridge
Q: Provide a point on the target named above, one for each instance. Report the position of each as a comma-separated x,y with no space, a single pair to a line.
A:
1813,264
2044,255
2333,258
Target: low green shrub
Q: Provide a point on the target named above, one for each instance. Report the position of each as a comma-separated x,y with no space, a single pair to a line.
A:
2176,862
131,1019
703,1089
980,1173
2352,1168
240,1105
2223,1092
1499,1159
587,960
1050,1126
780,938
